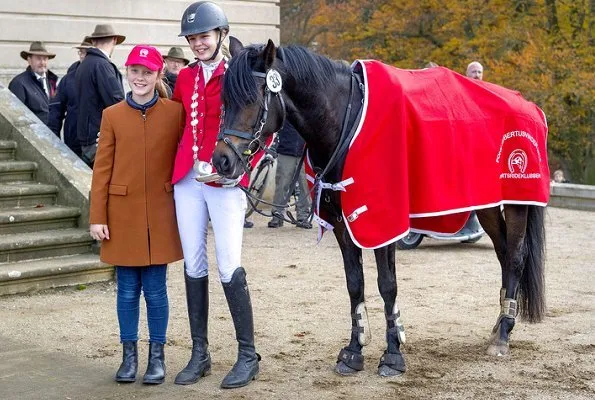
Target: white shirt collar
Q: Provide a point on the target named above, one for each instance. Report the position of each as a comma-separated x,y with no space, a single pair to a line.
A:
104,52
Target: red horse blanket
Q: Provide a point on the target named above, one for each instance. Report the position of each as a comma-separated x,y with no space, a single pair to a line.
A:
431,146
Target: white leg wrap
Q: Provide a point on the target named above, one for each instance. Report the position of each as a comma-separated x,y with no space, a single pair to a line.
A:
361,317
399,324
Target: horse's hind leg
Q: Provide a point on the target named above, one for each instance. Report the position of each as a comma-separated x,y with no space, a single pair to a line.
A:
351,359
508,237
392,362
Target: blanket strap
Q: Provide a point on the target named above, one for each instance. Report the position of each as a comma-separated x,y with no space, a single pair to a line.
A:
356,213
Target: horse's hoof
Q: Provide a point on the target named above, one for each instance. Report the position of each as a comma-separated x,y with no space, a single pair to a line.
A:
386,371
391,364
498,350
344,370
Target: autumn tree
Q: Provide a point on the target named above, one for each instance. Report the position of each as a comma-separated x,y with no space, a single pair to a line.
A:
543,48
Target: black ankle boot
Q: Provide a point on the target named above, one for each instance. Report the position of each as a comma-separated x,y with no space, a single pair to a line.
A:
129,366
238,299
197,297
155,374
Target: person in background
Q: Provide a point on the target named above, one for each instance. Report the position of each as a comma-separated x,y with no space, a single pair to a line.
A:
37,84
472,228
475,70
174,62
64,106
559,177
198,88
134,162
99,85
290,150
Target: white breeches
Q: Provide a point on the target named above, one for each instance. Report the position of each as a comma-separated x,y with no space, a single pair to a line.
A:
195,203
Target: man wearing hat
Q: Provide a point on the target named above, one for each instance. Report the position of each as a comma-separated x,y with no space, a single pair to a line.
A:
174,62
37,84
99,85
65,103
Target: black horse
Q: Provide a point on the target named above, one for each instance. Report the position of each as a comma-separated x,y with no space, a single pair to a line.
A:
321,98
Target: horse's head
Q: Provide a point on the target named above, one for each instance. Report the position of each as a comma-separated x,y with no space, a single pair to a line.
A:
253,106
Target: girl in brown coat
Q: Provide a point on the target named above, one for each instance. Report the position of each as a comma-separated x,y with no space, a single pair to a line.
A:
132,206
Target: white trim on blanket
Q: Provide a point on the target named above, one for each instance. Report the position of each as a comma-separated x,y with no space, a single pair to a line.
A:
472,208
358,244
402,235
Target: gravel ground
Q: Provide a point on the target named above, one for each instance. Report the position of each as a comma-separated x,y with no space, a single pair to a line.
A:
448,295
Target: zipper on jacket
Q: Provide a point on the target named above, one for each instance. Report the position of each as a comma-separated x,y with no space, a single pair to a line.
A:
144,115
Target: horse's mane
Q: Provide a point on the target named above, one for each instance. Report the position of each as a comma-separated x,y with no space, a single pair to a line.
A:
313,71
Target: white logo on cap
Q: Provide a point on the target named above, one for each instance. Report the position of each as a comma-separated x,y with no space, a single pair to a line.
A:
144,52
191,17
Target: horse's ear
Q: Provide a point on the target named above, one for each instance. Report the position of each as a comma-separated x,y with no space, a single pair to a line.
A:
269,54
235,46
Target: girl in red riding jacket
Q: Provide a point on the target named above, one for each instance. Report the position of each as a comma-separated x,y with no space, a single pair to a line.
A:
198,87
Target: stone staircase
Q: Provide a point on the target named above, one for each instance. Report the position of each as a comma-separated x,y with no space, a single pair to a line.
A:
41,243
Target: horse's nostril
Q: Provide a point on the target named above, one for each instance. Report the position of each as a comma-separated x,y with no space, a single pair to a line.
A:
224,162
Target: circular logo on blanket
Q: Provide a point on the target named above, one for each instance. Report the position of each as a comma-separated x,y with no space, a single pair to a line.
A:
274,82
517,161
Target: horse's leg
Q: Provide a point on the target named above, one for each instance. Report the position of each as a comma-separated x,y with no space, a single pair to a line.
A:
392,363
512,256
351,359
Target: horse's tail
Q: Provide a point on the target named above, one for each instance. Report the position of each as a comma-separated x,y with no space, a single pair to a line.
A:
532,284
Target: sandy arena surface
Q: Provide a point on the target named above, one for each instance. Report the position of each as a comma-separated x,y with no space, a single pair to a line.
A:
448,295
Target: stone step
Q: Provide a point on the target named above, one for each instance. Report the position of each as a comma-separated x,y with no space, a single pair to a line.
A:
35,219
26,194
52,243
26,276
17,171
7,149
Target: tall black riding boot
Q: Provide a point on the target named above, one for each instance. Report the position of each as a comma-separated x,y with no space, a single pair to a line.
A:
129,366
238,299
155,374
197,297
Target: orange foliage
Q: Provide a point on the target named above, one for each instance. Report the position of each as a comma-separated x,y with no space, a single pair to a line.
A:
543,48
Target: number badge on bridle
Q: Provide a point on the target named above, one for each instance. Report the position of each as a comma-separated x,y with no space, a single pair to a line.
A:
274,82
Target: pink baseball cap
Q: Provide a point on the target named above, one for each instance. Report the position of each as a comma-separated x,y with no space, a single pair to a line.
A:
148,56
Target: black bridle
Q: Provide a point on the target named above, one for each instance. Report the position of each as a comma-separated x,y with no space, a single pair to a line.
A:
255,139
255,136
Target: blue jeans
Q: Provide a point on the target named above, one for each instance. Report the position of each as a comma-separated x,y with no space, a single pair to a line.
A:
152,280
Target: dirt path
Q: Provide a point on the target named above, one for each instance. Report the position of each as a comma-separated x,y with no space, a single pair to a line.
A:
448,295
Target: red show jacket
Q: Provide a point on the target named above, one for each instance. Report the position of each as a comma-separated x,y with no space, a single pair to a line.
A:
209,119
209,116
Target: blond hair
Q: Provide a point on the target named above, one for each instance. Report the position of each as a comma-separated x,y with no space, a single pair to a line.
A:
160,85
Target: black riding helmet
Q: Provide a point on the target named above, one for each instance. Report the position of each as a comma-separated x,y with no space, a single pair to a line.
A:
204,16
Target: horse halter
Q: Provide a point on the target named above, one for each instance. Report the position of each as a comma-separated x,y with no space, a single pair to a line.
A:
273,88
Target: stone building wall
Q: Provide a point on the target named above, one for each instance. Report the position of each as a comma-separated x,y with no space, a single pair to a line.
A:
62,24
